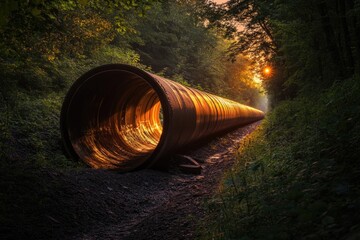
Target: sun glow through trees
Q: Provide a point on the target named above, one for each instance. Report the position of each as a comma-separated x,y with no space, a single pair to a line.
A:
267,70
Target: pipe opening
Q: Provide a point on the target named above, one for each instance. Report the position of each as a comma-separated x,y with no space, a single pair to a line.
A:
114,120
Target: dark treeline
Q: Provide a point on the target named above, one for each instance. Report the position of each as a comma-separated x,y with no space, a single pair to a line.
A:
297,176
310,44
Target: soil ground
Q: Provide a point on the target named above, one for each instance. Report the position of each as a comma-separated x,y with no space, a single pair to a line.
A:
100,204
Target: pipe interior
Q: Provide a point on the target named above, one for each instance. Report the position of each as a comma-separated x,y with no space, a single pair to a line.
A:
115,120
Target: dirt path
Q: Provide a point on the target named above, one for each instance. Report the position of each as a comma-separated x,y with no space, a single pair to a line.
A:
100,204
160,205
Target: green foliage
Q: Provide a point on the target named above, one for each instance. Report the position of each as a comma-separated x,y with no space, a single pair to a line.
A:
31,132
33,127
175,41
296,176
45,11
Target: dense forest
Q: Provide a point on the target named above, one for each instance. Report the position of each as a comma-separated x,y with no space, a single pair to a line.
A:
296,176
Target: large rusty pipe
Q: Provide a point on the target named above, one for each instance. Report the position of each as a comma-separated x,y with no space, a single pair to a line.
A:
120,117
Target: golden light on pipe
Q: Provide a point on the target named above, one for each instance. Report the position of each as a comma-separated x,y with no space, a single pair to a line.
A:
120,117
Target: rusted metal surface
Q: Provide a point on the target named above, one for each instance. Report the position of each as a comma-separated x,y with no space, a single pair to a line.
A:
120,117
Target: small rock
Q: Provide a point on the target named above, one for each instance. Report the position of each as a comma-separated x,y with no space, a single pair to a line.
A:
186,160
192,169
200,177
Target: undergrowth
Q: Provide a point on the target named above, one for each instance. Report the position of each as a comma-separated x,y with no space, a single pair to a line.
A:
297,175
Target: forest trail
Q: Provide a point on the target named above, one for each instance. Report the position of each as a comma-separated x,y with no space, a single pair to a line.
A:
146,204
101,204
149,204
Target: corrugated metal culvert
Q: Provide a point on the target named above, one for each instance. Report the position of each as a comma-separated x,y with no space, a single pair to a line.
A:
120,117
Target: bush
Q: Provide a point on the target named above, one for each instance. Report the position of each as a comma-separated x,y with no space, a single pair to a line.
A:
33,134
296,176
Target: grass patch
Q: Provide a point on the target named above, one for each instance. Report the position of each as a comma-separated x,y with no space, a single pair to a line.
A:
297,176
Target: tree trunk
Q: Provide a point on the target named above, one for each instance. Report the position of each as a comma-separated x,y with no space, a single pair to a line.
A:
330,38
347,43
354,34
